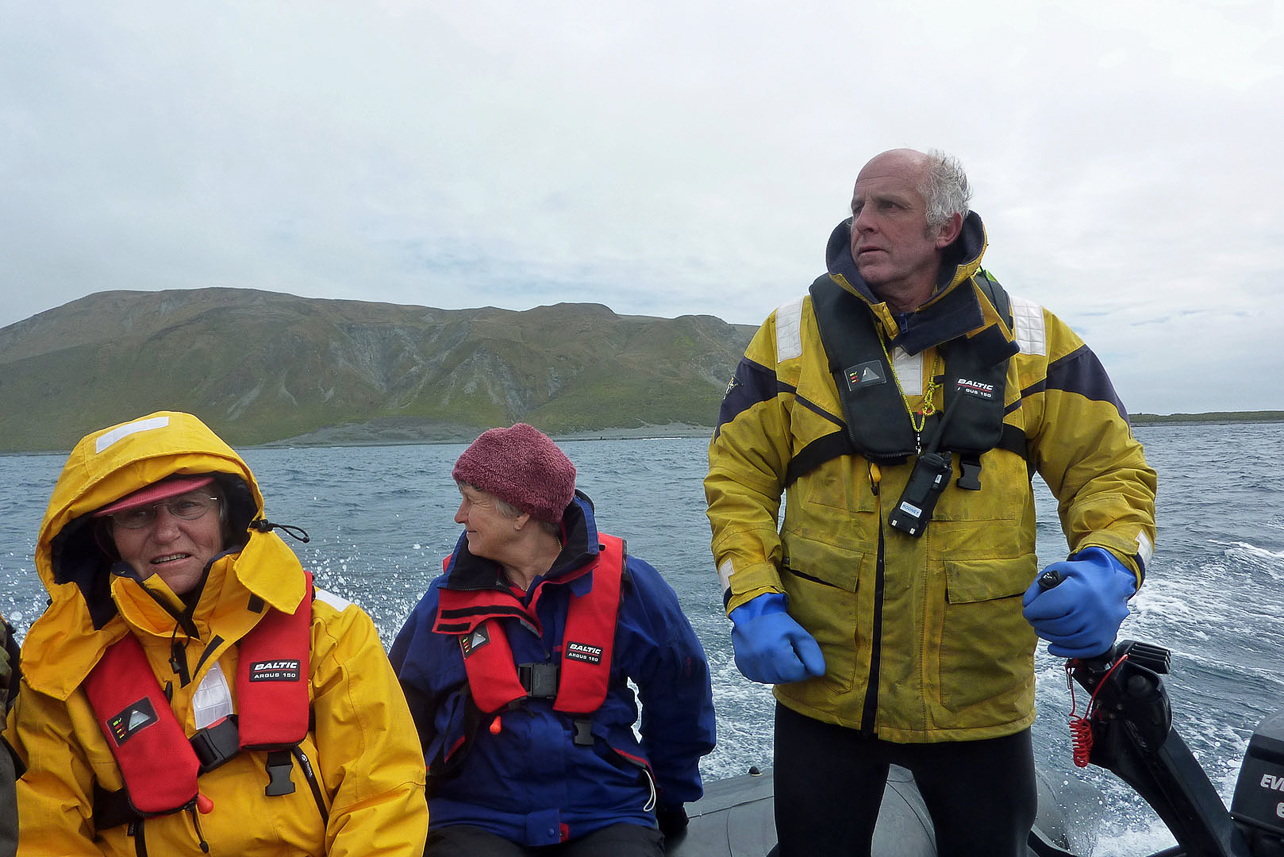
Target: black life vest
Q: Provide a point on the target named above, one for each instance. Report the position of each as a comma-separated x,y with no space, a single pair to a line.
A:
878,425
582,678
157,761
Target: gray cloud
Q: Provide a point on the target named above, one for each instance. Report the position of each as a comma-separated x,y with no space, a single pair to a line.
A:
661,158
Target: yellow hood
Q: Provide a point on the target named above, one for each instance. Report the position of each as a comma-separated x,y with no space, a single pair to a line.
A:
82,618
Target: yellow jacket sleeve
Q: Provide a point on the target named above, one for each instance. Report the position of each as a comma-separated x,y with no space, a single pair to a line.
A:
55,795
748,459
367,742
1082,446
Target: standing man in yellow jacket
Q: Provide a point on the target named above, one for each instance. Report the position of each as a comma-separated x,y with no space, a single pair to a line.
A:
901,408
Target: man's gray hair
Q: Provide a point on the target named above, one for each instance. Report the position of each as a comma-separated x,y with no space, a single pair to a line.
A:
945,188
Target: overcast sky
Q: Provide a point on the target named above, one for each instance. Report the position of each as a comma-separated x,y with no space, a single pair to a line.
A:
659,157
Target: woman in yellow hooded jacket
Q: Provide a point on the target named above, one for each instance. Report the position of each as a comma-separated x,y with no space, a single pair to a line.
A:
188,691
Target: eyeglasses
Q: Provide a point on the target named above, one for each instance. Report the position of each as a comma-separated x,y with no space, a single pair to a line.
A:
188,507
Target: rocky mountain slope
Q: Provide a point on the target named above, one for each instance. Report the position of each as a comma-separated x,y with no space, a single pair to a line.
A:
263,367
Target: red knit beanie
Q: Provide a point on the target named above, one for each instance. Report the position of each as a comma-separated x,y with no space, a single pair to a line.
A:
522,467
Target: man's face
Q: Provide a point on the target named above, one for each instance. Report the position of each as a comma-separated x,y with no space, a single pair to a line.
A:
895,252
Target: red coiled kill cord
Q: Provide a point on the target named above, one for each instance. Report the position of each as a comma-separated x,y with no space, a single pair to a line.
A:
1081,727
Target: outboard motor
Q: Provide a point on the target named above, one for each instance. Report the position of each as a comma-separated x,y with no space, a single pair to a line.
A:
1132,736
1258,803
1127,729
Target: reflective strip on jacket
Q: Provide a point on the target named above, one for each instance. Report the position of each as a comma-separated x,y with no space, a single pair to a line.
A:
362,748
956,657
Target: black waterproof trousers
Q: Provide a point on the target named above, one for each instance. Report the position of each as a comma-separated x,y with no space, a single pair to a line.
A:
8,804
617,840
829,780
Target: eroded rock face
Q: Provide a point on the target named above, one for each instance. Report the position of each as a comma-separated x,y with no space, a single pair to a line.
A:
262,367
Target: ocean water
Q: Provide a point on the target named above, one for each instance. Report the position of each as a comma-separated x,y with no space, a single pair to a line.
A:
381,521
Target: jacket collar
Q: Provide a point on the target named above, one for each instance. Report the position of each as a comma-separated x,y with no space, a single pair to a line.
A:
464,571
265,570
950,312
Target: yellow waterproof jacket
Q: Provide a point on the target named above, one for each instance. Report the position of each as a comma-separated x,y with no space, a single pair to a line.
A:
363,746
923,637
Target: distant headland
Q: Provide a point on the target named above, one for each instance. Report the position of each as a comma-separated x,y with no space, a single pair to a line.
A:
1211,417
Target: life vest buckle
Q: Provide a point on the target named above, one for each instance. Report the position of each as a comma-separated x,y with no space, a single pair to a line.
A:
583,732
279,765
217,743
539,680
970,464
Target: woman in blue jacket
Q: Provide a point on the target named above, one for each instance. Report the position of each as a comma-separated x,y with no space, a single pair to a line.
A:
517,664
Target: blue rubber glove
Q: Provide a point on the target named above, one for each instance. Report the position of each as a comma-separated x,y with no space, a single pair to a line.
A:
770,646
1081,615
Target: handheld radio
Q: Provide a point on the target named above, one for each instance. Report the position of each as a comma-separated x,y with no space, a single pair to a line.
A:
932,472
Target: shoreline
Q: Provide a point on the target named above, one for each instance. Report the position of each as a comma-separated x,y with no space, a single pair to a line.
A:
375,439
410,436
367,435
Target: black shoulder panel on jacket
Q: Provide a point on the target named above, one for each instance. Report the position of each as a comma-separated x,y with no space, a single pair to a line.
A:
1080,372
752,384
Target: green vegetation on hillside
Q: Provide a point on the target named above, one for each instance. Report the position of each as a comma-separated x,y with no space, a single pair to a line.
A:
1210,417
262,367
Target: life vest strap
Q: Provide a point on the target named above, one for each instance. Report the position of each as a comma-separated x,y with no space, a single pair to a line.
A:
112,809
141,731
589,637
836,444
215,745
276,655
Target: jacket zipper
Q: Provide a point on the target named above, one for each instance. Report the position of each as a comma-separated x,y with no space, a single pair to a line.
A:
870,709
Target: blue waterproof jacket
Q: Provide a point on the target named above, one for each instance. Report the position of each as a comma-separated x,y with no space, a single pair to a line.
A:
529,782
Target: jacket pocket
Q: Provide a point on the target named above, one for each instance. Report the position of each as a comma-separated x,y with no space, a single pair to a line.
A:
986,652
828,612
842,483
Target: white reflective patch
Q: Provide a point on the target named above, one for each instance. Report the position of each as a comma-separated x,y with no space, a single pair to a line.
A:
1145,549
326,597
1028,327
213,698
789,330
909,371
724,574
126,430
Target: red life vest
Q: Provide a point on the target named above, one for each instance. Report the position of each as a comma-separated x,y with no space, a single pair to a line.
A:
587,641
155,757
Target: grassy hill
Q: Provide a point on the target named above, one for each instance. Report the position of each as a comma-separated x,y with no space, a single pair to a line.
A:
264,367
